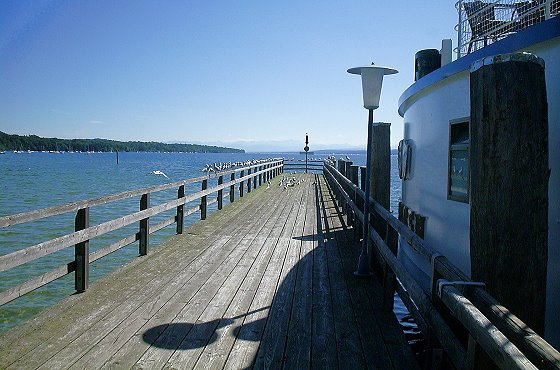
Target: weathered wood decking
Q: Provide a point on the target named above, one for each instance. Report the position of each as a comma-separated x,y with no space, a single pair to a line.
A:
266,282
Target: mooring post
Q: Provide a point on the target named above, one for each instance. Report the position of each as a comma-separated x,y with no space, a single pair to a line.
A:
180,210
232,188
81,252
144,226
353,172
249,180
509,183
380,176
220,192
241,183
203,201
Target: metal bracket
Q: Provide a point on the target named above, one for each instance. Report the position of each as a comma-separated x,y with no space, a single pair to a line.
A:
460,283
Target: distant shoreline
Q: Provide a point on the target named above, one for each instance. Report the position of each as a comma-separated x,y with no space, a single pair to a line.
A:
34,143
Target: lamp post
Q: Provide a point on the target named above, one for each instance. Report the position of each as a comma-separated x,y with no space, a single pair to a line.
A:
372,80
306,148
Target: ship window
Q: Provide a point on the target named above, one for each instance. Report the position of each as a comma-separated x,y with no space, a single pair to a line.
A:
458,178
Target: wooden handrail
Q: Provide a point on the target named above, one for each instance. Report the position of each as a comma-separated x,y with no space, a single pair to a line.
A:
19,218
523,339
29,254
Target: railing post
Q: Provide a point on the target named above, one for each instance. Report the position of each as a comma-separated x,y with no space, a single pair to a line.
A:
260,175
144,226
354,178
81,252
203,200
255,179
232,188
180,210
220,192
389,281
249,181
241,184
348,175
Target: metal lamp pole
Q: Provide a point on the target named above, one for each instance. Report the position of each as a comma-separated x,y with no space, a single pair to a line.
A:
364,267
372,81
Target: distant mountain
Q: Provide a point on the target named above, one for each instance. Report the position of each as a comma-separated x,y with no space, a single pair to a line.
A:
279,146
36,143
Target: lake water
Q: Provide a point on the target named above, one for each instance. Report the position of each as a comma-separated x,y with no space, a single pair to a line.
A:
31,181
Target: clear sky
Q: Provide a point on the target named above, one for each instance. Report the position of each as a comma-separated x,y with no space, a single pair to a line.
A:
171,70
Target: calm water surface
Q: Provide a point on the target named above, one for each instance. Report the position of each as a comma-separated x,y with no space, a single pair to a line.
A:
29,181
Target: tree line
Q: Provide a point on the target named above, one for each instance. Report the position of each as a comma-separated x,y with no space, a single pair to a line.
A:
37,143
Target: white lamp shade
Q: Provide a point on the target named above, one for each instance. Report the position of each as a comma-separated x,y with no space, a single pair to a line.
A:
372,81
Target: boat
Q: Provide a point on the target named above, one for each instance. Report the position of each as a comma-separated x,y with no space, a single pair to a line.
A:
440,162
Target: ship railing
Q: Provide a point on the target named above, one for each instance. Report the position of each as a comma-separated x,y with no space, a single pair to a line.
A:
484,22
457,316
301,165
247,177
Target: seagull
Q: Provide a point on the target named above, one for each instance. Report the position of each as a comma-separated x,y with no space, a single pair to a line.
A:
158,172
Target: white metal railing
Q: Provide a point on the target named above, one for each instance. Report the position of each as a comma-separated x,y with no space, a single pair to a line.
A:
484,22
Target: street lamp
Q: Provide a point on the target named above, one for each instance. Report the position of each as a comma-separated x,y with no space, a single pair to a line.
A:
372,80
306,148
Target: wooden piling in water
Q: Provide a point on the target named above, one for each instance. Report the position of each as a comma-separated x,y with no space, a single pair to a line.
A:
509,183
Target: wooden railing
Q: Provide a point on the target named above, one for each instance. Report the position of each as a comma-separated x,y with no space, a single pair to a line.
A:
257,174
302,165
457,314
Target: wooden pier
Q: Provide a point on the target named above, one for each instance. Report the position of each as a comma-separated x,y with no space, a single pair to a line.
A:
266,282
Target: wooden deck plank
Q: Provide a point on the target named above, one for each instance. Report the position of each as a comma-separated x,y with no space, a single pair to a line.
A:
271,349
215,353
349,348
249,335
298,346
323,347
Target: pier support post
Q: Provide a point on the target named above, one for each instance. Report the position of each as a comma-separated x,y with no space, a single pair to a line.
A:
203,201
509,183
220,192
144,226
232,188
249,181
81,252
241,184
180,210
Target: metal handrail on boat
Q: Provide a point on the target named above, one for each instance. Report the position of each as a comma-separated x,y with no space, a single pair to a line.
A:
508,341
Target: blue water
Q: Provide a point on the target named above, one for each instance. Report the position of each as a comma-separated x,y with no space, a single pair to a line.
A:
31,181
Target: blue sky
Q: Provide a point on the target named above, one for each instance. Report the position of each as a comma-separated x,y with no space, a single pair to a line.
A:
207,71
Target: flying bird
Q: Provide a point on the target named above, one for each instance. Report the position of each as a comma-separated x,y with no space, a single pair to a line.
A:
158,172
